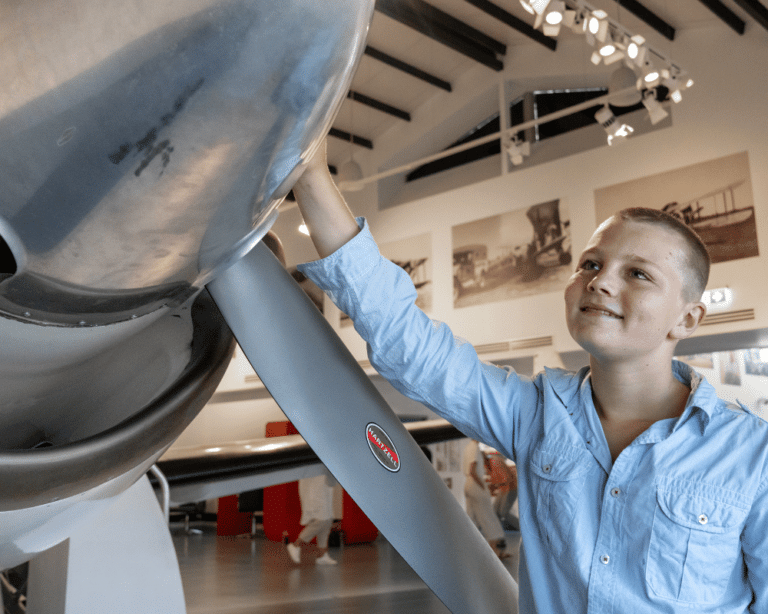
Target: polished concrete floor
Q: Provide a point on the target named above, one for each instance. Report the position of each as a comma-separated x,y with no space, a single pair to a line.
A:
245,575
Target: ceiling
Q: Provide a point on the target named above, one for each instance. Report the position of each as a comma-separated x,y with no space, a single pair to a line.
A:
417,50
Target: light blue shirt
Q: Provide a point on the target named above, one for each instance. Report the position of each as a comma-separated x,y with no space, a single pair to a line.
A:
678,523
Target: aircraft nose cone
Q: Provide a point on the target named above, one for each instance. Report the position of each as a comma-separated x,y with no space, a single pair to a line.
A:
148,146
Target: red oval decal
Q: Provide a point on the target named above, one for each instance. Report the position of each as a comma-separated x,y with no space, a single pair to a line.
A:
382,447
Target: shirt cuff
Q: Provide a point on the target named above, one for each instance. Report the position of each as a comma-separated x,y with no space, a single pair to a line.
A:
353,260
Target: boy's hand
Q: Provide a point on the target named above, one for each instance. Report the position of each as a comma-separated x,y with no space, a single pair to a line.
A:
318,163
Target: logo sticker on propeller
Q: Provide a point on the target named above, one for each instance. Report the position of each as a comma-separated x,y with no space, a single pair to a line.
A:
382,447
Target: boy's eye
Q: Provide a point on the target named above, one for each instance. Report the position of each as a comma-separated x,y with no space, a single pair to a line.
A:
589,265
639,274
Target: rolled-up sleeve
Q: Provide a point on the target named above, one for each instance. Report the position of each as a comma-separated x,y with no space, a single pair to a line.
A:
419,356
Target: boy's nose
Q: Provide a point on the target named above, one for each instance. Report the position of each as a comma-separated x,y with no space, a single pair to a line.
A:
602,283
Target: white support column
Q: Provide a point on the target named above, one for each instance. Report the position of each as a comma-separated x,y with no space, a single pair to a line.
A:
123,562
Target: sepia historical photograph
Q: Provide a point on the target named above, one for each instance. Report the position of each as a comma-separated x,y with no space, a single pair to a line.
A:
714,198
511,255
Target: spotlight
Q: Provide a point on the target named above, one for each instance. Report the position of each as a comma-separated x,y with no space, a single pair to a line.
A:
676,81
576,20
651,77
650,74
554,14
517,149
616,132
655,110
636,51
535,7
553,18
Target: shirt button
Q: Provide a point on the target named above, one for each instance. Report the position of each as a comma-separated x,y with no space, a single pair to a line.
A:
703,519
546,468
605,559
615,492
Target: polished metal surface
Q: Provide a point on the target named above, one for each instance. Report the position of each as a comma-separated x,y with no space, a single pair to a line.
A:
106,435
144,146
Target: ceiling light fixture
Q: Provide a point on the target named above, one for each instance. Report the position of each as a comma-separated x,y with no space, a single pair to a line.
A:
517,149
655,110
614,43
617,132
535,7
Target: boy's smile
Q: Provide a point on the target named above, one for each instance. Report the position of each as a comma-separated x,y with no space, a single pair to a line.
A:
627,294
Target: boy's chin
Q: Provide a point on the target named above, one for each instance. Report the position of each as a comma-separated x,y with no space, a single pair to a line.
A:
603,350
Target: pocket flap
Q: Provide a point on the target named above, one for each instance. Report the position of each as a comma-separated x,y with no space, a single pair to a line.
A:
559,462
696,511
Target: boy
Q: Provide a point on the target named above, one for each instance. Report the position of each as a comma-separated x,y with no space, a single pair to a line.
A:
639,490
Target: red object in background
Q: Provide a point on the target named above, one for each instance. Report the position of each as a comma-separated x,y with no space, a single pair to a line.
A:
357,527
231,521
282,506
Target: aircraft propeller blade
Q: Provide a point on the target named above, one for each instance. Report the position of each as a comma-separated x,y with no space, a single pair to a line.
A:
327,396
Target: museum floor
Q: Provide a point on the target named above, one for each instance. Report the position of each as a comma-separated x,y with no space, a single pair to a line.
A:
244,575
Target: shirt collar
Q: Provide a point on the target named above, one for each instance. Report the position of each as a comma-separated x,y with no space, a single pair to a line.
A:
702,400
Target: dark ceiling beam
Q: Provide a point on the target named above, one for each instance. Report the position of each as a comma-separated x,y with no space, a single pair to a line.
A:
518,24
756,10
353,138
727,15
407,68
649,17
378,105
449,31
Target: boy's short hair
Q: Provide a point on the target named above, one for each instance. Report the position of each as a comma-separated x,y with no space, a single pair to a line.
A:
698,255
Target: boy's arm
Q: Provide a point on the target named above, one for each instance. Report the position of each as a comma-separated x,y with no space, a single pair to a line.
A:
756,551
421,358
329,220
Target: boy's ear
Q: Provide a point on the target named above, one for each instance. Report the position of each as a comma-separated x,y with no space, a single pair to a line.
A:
689,321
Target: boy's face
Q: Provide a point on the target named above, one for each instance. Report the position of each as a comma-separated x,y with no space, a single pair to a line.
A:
627,295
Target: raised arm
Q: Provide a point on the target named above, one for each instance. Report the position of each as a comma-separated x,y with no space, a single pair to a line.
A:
329,220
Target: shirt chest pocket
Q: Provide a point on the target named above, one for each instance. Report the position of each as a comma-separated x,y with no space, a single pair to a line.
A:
557,486
695,548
